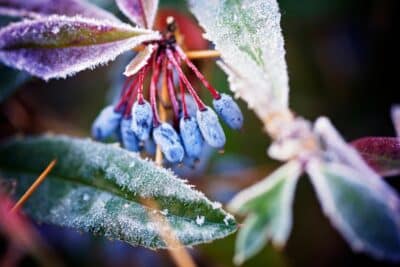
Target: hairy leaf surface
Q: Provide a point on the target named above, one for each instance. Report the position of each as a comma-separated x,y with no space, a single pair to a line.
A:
58,46
102,189
248,35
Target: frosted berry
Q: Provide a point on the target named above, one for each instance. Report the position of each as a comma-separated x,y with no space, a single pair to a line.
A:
211,128
142,118
106,123
166,137
191,137
128,137
229,111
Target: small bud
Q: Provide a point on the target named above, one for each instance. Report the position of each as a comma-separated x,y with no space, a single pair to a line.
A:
166,137
191,137
229,111
106,123
128,137
142,117
211,128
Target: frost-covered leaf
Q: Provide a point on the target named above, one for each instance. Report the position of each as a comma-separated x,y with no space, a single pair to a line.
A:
381,153
139,61
396,118
248,35
58,46
35,8
100,189
362,208
140,12
336,148
10,81
269,208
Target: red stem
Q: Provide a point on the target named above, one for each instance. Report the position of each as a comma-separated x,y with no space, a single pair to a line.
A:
201,106
142,74
153,89
199,75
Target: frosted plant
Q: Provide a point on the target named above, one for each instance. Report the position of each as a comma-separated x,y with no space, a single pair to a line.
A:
60,38
64,37
362,207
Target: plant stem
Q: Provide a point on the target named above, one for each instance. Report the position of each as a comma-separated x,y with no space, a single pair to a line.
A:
203,54
34,186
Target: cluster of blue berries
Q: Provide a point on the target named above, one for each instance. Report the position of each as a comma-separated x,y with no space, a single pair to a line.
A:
136,121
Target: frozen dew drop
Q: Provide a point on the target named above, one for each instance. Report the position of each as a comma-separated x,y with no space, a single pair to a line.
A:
191,137
106,123
142,117
128,137
210,128
85,197
229,111
166,137
200,220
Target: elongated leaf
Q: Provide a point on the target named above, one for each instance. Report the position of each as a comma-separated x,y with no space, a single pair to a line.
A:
139,61
56,47
362,208
269,205
248,35
140,12
10,81
381,153
35,8
100,188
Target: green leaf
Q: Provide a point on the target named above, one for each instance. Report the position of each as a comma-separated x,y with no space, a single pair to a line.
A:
269,205
100,188
10,81
248,35
361,207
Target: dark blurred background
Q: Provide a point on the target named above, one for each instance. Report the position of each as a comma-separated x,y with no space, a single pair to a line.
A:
343,60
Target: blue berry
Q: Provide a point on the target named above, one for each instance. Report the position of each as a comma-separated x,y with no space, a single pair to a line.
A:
166,137
106,123
142,117
211,128
191,137
128,137
229,111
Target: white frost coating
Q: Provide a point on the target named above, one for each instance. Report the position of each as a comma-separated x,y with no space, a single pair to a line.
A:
345,154
227,218
139,61
216,205
319,172
68,61
200,220
248,35
395,112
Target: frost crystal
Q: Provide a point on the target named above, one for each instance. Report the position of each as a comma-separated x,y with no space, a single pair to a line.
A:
248,34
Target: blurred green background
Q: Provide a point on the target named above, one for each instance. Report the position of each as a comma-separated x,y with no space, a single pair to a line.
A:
342,57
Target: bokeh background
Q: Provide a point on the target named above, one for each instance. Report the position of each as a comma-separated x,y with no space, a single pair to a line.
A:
343,60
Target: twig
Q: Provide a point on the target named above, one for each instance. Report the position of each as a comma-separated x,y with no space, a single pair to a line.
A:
203,54
34,186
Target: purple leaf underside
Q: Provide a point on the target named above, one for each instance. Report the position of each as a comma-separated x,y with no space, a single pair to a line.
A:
140,12
59,46
35,8
381,153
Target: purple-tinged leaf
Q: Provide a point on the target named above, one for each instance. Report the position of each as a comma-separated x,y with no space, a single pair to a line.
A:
381,153
363,208
59,46
141,12
396,118
139,61
36,8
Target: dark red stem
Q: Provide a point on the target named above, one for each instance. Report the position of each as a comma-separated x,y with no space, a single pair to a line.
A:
199,75
184,79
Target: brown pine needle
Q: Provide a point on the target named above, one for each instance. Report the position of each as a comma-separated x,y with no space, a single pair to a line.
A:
203,54
34,186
